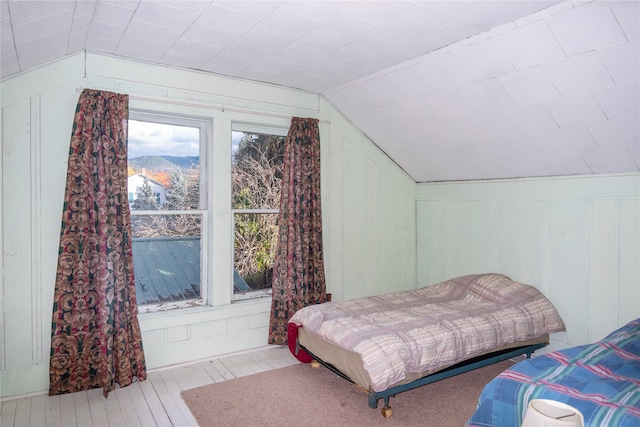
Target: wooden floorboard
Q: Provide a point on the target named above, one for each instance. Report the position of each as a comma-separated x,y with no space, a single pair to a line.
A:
150,403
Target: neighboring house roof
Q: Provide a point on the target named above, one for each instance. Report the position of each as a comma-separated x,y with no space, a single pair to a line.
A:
168,269
141,177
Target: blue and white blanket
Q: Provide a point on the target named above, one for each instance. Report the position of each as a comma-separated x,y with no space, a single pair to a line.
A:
601,380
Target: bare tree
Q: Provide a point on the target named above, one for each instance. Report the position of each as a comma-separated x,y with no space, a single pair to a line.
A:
256,184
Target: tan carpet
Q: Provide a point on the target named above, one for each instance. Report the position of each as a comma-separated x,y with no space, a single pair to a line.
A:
300,395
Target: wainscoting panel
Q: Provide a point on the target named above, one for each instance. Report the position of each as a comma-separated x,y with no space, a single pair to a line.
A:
577,239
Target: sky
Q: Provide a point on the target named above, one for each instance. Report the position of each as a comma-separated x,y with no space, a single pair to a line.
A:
155,139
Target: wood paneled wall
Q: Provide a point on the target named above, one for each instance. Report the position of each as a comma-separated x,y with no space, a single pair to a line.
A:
577,239
368,207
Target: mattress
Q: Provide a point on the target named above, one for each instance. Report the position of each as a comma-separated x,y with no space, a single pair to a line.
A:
601,380
351,365
398,336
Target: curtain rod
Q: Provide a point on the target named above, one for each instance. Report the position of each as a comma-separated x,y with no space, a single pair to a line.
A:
210,106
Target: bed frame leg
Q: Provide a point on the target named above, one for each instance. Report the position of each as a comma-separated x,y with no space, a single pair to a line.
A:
373,403
387,412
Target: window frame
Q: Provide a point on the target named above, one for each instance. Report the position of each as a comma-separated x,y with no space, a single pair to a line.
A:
205,125
238,126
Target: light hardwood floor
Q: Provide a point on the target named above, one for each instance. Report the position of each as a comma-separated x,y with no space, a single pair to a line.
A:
154,402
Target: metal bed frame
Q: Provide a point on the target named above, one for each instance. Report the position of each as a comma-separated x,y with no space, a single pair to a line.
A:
460,368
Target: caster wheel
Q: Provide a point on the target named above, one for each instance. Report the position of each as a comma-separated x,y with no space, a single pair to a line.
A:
315,364
387,412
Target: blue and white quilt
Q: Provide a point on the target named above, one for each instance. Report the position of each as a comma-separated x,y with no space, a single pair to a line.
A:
601,380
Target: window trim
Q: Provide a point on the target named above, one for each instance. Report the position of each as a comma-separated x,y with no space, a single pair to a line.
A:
205,125
260,129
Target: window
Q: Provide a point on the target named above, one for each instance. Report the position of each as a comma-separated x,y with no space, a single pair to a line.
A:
256,176
168,209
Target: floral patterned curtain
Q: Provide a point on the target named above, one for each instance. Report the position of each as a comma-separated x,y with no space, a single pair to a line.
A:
95,335
298,272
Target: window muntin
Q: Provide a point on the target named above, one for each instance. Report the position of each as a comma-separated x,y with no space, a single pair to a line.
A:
168,209
256,181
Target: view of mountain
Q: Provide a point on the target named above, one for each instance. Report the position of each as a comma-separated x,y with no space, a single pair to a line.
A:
163,163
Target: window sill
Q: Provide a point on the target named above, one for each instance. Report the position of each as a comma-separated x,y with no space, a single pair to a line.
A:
152,320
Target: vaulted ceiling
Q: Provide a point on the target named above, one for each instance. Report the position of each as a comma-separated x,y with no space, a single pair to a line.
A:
450,90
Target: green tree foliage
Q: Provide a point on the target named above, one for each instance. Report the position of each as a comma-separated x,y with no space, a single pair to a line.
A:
177,193
146,199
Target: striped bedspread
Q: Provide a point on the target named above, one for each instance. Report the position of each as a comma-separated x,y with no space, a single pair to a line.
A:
601,380
432,327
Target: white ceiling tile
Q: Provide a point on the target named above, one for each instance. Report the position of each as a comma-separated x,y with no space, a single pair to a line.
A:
264,42
9,65
448,104
250,8
319,11
208,36
566,164
105,31
151,32
4,10
579,74
529,144
530,118
634,151
49,54
530,46
458,130
560,7
528,86
226,65
227,20
375,52
404,31
117,14
429,164
379,12
622,61
296,54
7,48
96,44
484,60
609,161
617,133
487,148
24,12
620,101
389,116
190,54
144,50
587,27
175,15
42,45
569,139
628,15
54,24
518,166
433,132
441,14
267,69
287,25
346,29
496,95
441,73
490,124
417,109
77,41
574,110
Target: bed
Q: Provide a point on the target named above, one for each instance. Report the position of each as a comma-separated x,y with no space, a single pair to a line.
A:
601,380
390,343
